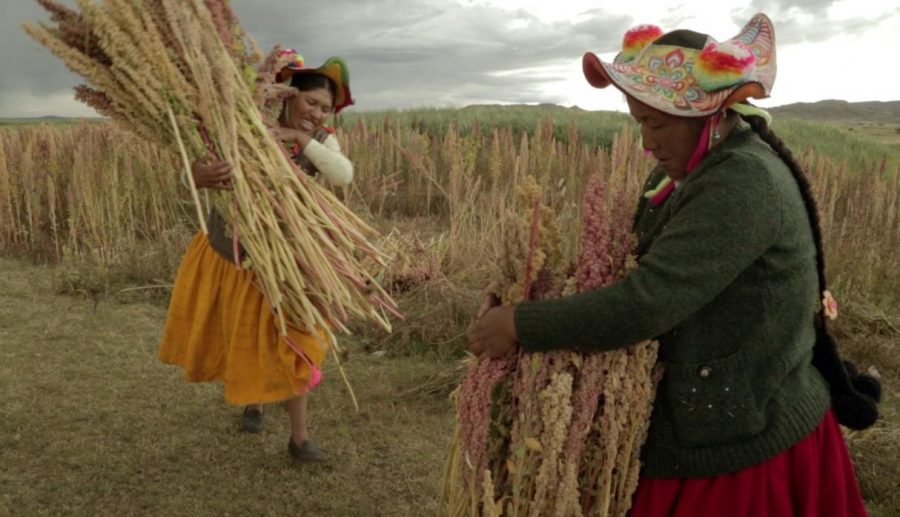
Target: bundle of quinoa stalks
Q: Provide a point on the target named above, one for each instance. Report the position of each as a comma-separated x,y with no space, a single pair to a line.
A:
553,433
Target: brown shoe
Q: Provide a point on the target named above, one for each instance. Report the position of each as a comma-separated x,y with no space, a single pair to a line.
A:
252,420
306,452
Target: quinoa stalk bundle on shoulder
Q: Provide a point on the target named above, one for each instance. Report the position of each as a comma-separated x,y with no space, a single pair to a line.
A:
556,433
182,74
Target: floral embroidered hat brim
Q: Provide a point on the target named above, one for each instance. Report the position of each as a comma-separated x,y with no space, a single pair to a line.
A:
334,68
689,74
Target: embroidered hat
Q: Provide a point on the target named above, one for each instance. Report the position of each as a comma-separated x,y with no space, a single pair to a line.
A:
334,68
689,74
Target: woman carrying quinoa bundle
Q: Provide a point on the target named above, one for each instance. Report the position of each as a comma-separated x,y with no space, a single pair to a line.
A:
730,280
219,325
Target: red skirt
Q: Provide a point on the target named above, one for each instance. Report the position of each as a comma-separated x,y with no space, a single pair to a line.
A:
814,478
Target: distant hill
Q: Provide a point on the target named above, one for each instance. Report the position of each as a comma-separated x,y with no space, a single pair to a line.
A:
842,111
32,120
49,119
874,112
542,107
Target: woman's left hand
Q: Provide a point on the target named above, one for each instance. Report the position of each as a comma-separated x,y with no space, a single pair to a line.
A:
494,334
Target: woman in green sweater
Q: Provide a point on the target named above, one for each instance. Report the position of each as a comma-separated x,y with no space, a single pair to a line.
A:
730,281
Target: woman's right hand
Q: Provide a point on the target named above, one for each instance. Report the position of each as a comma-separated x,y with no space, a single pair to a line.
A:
494,333
292,136
209,173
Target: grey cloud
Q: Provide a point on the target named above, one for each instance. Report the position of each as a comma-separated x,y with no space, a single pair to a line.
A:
25,66
604,31
809,6
400,52
405,53
791,19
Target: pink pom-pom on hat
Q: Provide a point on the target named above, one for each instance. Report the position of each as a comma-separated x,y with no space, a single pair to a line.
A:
297,61
636,39
722,65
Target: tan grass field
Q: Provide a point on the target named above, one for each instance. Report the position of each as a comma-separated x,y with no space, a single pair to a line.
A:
887,134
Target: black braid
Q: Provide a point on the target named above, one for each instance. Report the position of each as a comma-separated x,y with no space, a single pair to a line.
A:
758,124
854,395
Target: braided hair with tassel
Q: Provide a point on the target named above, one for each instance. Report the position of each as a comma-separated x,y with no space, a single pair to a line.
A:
854,395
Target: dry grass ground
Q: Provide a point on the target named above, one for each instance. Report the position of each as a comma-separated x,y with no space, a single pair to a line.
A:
93,424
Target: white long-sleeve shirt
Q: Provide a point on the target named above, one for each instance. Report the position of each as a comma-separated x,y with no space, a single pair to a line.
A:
330,161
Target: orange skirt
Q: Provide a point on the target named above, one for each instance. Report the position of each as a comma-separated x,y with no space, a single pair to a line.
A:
220,328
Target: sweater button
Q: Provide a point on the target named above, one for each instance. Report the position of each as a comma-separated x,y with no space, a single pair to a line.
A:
704,372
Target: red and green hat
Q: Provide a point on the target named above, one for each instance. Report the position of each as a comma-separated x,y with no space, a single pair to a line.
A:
689,74
334,68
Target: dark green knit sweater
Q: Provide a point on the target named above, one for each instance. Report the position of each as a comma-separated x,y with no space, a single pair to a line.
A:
726,282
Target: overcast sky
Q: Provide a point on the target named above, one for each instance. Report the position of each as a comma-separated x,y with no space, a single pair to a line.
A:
413,53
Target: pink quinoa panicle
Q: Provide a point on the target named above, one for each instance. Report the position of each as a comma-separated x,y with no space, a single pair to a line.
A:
544,284
584,404
474,407
58,12
623,242
74,32
95,99
222,19
593,267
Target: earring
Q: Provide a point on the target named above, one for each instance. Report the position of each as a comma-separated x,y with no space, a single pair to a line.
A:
714,129
717,118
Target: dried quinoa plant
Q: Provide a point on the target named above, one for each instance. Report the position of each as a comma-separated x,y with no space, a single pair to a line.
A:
555,433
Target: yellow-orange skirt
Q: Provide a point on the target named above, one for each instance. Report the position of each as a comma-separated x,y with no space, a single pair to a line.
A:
220,328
